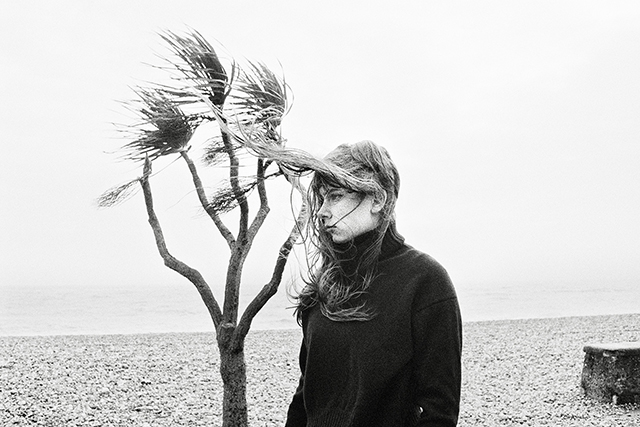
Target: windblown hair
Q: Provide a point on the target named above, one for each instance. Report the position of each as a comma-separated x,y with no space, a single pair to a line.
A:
366,169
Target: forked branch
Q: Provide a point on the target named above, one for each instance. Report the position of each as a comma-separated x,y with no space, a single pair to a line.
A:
270,288
170,261
263,211
213,214
234,172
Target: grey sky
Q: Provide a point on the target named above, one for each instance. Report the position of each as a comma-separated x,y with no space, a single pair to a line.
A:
515,126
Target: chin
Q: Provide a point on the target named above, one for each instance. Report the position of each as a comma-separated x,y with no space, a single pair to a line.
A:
341,239
337,239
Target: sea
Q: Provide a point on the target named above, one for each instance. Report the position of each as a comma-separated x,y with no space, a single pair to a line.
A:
101,310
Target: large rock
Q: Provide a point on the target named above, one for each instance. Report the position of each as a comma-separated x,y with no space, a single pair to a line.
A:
611,372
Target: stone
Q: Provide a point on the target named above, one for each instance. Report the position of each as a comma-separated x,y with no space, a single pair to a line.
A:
611,372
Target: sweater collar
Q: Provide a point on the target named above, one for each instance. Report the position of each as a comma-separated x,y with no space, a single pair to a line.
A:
391,242
350,253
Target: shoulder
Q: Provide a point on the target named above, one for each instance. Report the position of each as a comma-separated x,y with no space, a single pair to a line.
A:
422,275
416,263
425,261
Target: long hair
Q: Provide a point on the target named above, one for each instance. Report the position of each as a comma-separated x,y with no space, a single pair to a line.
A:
369,170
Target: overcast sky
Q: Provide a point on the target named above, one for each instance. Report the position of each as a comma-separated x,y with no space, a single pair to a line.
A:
515,126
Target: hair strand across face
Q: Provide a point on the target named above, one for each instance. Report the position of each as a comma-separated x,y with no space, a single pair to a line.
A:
334,283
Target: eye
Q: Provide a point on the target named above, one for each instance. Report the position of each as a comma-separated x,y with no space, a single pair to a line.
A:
335,195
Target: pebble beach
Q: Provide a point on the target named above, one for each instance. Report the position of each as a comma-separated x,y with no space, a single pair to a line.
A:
515,373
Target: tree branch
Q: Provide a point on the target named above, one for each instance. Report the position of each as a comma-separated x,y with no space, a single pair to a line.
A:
234,172
170,261
226,233
241,250
270,288
262,213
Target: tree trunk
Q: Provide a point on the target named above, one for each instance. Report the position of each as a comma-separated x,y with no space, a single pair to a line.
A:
233,371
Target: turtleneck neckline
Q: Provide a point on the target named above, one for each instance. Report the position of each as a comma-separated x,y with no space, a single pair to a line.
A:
391,242
350,253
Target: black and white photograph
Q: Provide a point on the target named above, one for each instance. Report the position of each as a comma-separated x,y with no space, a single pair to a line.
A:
320,214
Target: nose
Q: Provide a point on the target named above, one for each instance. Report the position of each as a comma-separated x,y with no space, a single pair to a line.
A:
323,213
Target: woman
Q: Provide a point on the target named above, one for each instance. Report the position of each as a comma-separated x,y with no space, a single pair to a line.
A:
381,323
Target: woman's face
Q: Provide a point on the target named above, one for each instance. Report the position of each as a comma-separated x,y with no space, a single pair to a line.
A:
345,214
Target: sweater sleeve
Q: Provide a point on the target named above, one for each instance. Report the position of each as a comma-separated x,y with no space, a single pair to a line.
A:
297,415
437,334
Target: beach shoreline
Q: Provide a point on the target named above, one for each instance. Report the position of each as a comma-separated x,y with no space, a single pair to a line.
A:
515,372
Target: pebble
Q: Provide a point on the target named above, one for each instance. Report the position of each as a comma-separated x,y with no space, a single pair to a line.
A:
515,373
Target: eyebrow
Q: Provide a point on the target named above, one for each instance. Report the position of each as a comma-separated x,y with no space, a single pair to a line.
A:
323,191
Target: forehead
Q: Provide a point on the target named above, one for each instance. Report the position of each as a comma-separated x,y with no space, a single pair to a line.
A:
322,185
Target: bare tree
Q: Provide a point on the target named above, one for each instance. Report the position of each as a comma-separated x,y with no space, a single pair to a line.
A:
247,103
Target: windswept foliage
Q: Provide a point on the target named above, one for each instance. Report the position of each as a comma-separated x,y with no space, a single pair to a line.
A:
248,105
168,115
164,129
118,194
260,100
201,65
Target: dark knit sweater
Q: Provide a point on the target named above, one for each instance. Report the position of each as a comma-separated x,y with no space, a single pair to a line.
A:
400,368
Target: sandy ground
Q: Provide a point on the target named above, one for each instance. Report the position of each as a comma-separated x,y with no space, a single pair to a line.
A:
516,373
